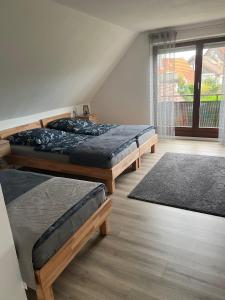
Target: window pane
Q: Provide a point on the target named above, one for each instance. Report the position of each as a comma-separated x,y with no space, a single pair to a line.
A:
211,85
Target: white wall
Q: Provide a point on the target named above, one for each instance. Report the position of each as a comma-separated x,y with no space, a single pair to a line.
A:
14,122
124,96
52,56
201,30
11,285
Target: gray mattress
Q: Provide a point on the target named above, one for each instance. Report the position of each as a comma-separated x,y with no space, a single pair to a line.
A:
141,133
29,151
48,245
145,136
15,183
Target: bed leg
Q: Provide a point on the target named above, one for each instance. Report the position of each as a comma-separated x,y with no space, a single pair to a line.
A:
153,149
135,165
104,228
111,185
139,162
44,293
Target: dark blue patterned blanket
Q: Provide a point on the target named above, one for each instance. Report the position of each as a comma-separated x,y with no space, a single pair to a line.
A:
35,137
64,145
49,140
80,126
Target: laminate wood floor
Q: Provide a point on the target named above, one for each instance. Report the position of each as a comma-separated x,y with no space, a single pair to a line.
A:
153,252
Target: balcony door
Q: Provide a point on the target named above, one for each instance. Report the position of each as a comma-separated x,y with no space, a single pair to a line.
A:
197,78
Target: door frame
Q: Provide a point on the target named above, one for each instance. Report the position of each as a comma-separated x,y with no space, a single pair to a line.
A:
195,130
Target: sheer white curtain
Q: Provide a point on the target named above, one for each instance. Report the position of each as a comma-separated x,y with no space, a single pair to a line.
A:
164,82
222,107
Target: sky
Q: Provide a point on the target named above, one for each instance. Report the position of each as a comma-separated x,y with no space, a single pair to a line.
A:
185,54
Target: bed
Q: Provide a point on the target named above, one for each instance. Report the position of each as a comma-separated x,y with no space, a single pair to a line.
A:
146,140
54,230
25,156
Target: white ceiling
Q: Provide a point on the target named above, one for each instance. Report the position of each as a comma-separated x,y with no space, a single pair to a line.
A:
141,15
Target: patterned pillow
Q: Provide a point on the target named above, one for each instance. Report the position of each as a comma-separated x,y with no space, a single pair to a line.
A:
80,126
34,137
70,125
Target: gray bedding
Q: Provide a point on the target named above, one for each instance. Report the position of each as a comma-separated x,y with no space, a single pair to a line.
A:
140,132
49,221
141,139
15,183
100,150
101,153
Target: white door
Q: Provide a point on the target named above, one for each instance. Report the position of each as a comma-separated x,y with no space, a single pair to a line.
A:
11,285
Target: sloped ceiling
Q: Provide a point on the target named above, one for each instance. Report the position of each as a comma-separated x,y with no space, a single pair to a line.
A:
141,15
52,56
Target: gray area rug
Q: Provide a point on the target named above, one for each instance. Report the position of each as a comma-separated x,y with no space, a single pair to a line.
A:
193,182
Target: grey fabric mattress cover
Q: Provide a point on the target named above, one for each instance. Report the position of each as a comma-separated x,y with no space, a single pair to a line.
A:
141,132
15,183
145,136
101,150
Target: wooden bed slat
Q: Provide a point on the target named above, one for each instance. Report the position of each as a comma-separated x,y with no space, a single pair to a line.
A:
60,167
45,121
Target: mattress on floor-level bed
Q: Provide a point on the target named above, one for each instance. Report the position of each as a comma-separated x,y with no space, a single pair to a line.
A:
80,157
16,183
142,138
140,133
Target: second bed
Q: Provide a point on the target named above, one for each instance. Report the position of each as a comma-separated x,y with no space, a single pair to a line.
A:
102,157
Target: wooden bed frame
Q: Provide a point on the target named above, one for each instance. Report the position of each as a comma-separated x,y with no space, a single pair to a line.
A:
107,176
46,276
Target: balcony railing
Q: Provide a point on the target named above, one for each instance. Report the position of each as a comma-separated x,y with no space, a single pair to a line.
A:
208,114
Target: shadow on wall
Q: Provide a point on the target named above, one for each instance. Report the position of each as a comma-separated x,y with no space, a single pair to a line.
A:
124,97
68,3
